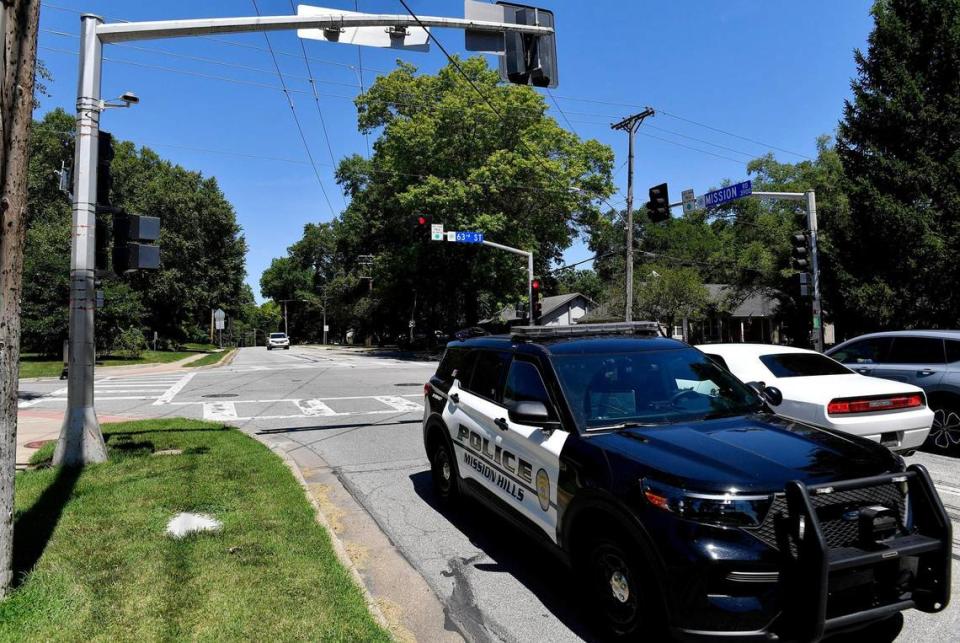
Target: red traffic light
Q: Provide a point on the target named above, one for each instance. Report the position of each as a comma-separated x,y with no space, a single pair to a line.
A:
421,220
535,284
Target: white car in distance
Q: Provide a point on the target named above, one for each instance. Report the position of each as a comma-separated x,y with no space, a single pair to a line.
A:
278,340
820,391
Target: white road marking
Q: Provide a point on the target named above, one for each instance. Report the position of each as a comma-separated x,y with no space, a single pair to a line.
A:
315,408
171,392
398,403
223,411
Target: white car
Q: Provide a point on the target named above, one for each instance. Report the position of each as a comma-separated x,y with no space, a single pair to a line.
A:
823,392
278,340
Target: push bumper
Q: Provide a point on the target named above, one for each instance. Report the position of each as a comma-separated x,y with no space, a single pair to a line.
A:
823,589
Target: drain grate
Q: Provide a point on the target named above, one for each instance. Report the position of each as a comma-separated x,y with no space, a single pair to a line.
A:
220,395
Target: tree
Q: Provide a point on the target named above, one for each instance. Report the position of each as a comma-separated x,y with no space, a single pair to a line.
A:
21,20
898,144
444,152
585,282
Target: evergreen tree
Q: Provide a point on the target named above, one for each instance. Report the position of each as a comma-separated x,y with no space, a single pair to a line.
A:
899,143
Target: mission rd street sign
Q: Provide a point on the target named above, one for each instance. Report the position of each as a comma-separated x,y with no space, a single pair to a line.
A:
725,195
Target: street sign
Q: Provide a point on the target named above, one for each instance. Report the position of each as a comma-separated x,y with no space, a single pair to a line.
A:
725,195
689,201
326,328
218,317
409,38
218,324
411,324
469,237
451,236
436,232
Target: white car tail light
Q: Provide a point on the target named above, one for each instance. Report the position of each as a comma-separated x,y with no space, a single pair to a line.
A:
846,406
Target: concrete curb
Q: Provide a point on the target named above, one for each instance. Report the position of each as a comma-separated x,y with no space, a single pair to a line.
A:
338,547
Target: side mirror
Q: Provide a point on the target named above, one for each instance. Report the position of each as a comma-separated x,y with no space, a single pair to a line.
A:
530,413
769,394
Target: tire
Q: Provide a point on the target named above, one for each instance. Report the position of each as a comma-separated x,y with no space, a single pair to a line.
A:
944,435
286,348
268,348
443,467
621,590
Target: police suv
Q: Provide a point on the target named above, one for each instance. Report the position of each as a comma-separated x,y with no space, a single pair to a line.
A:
685,506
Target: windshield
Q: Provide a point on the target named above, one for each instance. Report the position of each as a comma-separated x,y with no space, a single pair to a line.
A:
650,387
802,365
278,335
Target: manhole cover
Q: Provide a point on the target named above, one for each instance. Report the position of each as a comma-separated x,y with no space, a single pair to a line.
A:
408,384
220,395
36,444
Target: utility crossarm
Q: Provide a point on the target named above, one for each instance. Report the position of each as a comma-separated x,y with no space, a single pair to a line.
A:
128,31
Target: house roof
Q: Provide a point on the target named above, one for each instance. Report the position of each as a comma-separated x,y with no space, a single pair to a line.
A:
759,303
548,305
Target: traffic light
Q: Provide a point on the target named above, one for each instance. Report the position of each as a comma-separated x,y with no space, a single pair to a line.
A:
129,254
536,306
800,252
528,59
658,208
104,158
421,223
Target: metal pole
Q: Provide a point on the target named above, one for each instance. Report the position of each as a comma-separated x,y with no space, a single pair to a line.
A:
285,318
80,439
815,269
324,320
533,322
629,313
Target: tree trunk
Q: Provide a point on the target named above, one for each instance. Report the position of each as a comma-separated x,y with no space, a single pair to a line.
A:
20,18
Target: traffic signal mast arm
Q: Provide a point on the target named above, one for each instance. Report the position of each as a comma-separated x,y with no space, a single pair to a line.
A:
129,31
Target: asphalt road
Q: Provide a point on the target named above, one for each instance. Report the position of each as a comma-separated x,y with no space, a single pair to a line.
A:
359,413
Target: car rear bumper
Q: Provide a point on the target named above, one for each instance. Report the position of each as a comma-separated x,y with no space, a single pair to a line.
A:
897,430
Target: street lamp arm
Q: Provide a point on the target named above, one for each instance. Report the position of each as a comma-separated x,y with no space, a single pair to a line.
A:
149,30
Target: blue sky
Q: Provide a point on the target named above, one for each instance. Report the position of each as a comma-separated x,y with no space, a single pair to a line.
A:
771,71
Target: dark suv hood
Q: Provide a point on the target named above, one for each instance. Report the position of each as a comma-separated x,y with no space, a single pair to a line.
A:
752,453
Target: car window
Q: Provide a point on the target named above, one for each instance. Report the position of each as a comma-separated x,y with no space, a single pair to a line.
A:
524,384
277,335
953,351
867,351
455,365
802,365
658,387
916,350
489,371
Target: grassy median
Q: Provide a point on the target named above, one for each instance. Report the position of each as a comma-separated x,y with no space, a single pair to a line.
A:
32,365
94,561
209,360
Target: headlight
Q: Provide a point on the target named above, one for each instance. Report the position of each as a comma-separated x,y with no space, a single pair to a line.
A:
727,509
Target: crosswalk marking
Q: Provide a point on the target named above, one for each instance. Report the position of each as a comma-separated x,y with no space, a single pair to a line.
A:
223,411
315,408
171,392
398,403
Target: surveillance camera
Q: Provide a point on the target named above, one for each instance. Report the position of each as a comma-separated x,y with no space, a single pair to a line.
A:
130,98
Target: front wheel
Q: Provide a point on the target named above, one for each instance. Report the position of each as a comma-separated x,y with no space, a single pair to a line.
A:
622,590
286,348
944,435
444,472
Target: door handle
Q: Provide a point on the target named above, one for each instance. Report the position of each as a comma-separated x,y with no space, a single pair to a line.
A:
501,424
863,371
927,371
455,398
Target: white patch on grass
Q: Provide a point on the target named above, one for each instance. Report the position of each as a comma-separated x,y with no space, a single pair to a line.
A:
184,524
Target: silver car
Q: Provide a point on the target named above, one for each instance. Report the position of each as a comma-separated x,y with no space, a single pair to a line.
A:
278,340
929,359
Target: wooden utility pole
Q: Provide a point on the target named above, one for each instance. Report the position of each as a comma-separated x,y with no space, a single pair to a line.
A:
18,25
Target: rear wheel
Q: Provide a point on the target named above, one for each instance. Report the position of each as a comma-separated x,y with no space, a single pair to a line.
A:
444,471
621,589
944,435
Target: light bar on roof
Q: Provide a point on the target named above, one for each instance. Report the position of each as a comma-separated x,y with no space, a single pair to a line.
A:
644,328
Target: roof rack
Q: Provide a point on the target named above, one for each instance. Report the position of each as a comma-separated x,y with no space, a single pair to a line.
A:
529,333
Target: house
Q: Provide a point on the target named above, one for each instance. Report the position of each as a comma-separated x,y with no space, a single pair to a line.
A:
555,310
739,317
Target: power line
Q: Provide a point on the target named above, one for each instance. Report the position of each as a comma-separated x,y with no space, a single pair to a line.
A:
316,101
296,119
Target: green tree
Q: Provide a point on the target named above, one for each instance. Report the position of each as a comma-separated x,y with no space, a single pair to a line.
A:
514,175
585,282
899,143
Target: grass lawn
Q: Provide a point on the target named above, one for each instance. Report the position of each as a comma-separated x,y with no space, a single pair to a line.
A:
42,366
212,358
96,564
